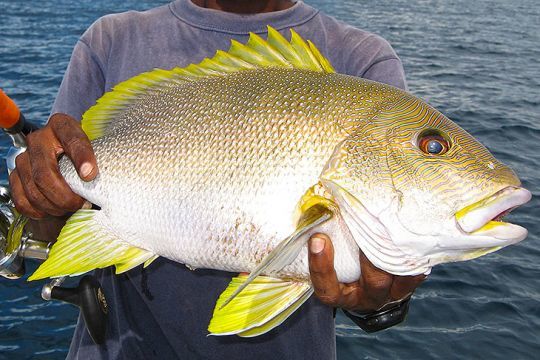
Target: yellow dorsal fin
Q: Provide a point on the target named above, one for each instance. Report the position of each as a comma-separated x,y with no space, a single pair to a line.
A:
275,51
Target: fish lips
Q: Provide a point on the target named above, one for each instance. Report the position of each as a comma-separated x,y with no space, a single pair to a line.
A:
482,219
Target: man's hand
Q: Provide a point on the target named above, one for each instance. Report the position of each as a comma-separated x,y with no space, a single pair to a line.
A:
373,290
37,186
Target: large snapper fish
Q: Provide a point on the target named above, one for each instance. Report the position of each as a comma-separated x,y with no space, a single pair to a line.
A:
233,163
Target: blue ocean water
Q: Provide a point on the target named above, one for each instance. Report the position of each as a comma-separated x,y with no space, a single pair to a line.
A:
477,62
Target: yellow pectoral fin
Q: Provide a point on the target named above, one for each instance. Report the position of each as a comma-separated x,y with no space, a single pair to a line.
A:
84,245
264,304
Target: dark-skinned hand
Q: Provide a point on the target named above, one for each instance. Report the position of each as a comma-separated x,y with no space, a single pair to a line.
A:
373,290
37,187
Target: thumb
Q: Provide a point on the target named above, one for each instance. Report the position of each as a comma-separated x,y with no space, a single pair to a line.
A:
321,255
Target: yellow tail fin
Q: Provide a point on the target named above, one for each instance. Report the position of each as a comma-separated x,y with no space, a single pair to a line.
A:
84,244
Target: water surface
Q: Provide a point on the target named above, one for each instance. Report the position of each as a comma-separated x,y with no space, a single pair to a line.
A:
475,61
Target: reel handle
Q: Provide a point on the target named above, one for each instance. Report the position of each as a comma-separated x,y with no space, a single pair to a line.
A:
90,298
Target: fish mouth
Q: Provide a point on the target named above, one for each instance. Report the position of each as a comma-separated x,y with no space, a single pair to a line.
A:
485,216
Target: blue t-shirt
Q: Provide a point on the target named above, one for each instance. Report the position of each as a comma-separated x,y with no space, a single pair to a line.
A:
163,311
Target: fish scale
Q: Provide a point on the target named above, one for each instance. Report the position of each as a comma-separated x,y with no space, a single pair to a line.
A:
249,166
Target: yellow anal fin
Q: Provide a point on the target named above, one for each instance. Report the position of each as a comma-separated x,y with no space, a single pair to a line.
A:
262,305
84,244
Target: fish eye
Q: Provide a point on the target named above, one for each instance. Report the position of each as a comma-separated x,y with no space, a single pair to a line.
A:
432,142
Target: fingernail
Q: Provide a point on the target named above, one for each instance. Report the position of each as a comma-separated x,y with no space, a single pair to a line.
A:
86,205
316,245
86,169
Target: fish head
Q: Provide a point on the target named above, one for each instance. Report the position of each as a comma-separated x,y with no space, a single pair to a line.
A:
416,190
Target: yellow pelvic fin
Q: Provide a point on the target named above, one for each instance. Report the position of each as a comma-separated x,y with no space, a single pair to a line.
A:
275,51
264,304
84,245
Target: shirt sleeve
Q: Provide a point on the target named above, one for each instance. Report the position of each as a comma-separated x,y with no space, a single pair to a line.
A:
389,71
372,57
83,83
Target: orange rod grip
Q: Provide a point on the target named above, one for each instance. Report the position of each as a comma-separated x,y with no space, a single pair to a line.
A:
9,112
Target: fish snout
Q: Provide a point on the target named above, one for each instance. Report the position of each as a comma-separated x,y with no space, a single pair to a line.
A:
484,217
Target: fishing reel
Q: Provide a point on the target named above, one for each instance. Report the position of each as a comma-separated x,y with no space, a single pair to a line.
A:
17,242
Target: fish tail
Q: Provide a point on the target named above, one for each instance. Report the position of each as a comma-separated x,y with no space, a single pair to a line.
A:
85,244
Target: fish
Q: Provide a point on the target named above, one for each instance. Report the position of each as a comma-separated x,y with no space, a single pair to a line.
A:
233,163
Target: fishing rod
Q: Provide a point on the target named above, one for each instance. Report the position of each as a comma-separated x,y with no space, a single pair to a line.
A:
17,243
